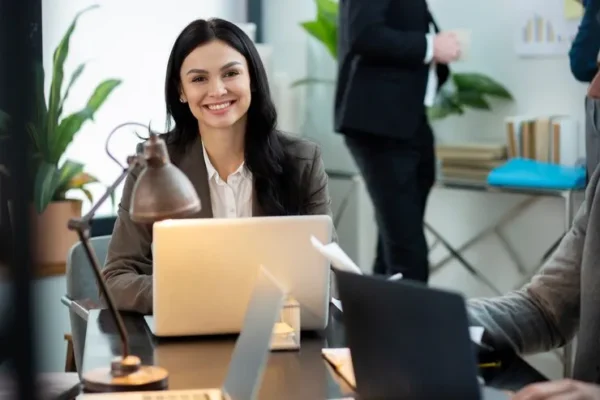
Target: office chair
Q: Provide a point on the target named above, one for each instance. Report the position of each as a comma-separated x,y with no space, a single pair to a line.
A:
81,285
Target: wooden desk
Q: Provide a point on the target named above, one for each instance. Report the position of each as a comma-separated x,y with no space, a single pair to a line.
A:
202,362
51,386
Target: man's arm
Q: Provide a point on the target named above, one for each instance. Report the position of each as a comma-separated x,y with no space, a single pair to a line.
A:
544,314
371,37
583,55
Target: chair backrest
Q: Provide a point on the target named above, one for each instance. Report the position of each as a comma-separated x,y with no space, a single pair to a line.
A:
82,285
81,281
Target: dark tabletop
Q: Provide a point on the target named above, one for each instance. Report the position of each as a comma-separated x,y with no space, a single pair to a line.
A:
201,362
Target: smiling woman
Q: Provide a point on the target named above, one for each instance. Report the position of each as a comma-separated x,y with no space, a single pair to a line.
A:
224,137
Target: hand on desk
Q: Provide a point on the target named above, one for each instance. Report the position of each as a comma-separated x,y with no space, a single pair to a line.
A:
555,390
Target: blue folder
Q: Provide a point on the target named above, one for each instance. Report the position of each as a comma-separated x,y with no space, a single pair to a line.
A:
525,173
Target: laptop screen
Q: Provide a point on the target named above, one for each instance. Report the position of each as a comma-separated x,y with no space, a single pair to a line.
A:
407,340
252,347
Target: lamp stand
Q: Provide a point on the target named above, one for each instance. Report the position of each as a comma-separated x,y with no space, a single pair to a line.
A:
126,373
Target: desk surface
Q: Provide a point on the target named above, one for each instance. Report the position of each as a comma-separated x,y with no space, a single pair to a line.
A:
202,362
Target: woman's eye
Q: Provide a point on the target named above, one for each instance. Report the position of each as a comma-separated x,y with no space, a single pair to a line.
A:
199,79
231,73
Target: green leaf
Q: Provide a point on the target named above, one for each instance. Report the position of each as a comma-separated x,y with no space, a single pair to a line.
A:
46,184
103,90
446,104
68,171
310,81
469,82
60,55
472,99
80,180
328,9
70,125
437,112
325,32
88,194
35,137
76,74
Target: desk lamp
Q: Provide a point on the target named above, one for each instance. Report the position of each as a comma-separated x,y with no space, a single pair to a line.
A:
161,191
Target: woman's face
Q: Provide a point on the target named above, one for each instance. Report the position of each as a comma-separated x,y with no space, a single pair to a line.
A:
215,82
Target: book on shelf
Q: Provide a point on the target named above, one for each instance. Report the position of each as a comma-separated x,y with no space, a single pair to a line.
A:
470,161
553,139
471,151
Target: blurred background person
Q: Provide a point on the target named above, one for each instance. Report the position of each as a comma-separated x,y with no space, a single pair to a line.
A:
583,55
392,58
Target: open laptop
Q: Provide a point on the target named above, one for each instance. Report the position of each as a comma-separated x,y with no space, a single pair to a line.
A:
249,357
204,271
409,341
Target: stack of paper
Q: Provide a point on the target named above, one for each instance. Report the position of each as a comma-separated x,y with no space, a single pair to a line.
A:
341,360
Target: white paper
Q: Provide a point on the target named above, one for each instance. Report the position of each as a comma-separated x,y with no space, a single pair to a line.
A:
337,303
476,333
336,256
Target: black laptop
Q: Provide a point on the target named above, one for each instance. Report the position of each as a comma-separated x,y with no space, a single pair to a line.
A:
409,341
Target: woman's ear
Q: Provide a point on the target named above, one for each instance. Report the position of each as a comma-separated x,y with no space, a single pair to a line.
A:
182,97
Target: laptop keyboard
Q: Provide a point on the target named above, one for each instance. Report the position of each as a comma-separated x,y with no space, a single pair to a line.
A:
193,394
187,395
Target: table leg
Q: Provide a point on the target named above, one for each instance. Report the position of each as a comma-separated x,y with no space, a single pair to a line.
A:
493,229
455,254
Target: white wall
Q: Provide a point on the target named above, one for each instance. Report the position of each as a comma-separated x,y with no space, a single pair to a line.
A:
129,40
539,86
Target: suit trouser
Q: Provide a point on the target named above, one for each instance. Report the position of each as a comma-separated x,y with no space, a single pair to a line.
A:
399,175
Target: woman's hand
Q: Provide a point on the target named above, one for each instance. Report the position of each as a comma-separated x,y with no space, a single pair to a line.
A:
565,389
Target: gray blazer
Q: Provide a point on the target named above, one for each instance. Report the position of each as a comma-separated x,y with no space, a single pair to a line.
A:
562,300
128,270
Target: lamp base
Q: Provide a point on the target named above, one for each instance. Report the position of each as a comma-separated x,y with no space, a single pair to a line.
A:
126,375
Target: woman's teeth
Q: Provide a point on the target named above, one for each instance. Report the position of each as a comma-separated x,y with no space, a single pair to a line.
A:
219,106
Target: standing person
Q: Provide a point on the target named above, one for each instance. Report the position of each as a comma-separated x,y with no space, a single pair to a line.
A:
392,60
583,54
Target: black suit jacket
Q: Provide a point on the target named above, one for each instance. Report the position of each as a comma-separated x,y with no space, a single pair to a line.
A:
382,76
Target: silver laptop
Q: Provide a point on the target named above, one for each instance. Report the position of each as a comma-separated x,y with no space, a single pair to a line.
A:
249,357
204,271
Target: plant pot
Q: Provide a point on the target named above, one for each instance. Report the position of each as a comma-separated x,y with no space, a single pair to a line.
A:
52,239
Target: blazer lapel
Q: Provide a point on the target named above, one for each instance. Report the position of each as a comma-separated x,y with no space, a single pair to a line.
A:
192,164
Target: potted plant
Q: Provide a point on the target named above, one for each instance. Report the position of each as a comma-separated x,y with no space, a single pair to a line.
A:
52,176
463,90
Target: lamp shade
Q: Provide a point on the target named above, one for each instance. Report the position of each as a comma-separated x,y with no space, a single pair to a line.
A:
161,191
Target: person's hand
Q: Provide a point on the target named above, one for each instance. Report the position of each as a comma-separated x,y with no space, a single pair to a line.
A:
556,390
446,47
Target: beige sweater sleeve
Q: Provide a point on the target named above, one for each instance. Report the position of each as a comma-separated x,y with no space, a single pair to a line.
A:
544,314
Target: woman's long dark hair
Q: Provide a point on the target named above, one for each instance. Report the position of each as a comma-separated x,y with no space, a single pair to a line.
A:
277,189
